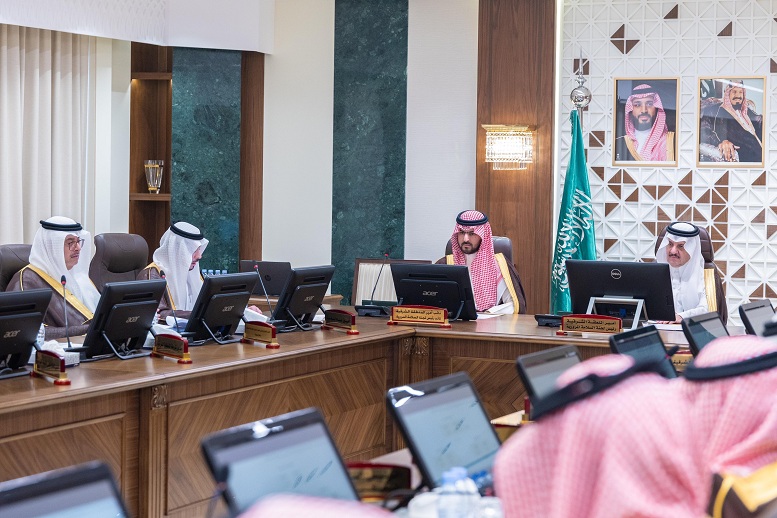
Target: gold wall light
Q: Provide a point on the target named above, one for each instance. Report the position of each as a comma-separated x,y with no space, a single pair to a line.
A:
509,147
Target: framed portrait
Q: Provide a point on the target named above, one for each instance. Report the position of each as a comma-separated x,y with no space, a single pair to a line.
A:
645,121
731,122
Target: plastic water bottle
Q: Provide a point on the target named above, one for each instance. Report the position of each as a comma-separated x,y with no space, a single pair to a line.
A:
41,338
458,496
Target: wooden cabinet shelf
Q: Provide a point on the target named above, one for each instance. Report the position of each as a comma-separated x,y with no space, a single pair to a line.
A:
147,196
153,76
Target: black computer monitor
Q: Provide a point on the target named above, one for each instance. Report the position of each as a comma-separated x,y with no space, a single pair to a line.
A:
290,453
702,329
302,296
440,285
124,314
84,490
755,315
539,371
650,282
274,275
644,344
219,307
445,425
21,313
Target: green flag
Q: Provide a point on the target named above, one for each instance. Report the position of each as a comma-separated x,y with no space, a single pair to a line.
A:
575,236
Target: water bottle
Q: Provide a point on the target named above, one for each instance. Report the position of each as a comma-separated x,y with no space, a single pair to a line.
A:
458,495
41,338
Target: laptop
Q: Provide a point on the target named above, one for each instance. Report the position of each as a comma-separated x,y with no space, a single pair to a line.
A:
755,316
702,329
445,425
85,490
644,344
274,275
289,453
539,371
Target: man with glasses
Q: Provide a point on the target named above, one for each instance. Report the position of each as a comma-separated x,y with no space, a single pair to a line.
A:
56,254
495,282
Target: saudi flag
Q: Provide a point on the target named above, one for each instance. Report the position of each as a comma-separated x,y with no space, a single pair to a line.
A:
575,236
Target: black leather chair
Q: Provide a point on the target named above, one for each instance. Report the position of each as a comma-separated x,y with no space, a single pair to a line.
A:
12,259
713,282
118,257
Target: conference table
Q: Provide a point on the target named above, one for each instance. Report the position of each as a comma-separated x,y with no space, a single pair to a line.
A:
145,417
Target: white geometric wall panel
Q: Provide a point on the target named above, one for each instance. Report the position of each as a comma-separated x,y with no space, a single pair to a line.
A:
685,40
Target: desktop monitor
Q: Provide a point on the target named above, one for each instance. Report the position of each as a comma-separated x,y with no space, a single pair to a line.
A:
273,274
440,285
85,490
445,425
649,282
21,313
702,329
302,296
290,453
124,314
539,371
219,307
644,344
755,315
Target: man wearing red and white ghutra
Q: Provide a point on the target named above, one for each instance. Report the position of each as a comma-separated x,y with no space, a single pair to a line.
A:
647,138
496,284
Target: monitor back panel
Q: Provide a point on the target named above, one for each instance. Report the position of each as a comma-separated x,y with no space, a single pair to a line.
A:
290,453
539,371
702,329
644,344
274,275
444,425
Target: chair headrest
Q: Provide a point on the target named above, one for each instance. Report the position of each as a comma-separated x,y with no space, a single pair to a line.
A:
12,259
707,252
118,257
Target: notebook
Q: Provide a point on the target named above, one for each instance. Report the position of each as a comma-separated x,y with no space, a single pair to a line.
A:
702,329
444,425
539,371
290,453
644,344
274,275
76,492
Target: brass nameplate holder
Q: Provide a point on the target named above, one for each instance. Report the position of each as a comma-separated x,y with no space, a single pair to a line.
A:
419,316
50,365
591,324
340,319
261,334
171,346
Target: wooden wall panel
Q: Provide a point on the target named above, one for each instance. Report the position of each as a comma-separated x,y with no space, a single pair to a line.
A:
251,157
515,86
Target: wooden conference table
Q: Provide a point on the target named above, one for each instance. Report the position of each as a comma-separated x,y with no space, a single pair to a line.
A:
145,417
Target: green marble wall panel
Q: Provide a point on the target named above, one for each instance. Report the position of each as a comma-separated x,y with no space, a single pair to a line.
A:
206,149
370,100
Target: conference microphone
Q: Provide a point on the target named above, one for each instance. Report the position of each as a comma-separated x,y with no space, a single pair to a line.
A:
172,309
372,309
63,280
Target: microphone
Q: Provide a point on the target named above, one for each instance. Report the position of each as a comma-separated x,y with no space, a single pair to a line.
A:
372,309
172,309
256,269
63,280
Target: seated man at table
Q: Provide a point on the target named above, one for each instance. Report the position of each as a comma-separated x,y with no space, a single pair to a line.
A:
681,249
178,257
55,263
494,280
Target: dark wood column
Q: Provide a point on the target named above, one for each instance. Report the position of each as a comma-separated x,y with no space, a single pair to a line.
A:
251,155
515,86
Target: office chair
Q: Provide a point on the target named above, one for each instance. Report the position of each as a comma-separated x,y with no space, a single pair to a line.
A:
12,259
118,257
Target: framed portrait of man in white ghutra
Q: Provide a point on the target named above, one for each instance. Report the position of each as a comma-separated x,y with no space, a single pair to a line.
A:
645,119
731,122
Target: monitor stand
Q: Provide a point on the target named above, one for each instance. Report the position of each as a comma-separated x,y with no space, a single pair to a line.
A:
631,311
213,335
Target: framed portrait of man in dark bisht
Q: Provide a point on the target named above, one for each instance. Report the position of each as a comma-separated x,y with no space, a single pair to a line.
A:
645,119
731,122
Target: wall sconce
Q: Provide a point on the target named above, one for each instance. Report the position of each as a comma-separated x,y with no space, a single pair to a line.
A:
509,147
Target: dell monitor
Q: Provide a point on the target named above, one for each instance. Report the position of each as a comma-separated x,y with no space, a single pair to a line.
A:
273,275
591,283
219,307
644,344
290,453
21,314
301,298
755,315
124,315
440,285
